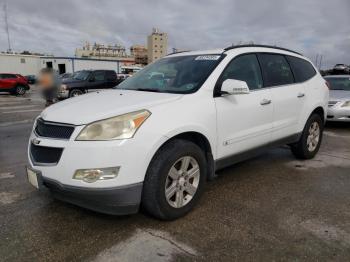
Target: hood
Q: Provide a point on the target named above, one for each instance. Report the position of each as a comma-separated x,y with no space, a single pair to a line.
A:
91,107
339,95
71,81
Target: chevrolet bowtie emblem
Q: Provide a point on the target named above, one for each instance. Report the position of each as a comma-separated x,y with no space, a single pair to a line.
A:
36,141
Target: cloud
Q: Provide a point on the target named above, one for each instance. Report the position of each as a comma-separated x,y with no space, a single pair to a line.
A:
308,26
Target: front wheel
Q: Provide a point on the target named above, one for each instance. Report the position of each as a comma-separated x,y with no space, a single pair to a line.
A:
75,92
20,90
175,180
310,140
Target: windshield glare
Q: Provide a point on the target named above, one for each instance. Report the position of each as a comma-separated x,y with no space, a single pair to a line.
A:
81,75
341,83
182,74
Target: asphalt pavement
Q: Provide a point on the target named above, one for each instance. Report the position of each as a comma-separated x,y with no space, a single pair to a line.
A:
270,208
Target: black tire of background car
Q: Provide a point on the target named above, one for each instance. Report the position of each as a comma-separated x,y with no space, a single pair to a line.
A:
20,90
300,149
153,197
75,92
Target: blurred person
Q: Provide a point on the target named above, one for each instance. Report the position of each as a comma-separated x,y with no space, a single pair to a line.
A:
49,83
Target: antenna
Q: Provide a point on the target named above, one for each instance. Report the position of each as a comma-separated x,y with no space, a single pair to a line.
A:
7,28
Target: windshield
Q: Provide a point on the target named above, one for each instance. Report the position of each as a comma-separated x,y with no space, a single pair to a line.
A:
81,75
341,83
182,74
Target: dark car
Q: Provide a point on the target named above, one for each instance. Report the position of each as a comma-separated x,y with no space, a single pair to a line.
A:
13,83
341,69
85,80
31,79
65,75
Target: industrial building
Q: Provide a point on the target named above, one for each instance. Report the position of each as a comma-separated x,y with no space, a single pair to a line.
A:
157,44
90,56
102,51
139,52
31,64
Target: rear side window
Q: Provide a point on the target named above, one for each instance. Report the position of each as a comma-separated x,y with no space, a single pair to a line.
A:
8,76
99,76
276,70
302,69
245,68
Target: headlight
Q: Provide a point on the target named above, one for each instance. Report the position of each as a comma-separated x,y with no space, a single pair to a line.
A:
346,104
64,87
119,127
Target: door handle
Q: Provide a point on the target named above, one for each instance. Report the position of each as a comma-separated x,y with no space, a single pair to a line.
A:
300,95
265,102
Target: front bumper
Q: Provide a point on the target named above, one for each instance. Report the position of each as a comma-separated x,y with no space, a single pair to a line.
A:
63,93
337,113
120,195
113,201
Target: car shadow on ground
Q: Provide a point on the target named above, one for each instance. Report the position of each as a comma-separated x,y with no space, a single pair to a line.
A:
342,125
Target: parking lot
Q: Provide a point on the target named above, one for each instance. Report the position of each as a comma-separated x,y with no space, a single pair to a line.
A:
272,207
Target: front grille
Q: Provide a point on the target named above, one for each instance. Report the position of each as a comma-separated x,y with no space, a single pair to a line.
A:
45,155
53,130
332,103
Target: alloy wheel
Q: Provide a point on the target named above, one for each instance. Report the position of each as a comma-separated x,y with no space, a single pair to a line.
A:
20,90
313,137
182,182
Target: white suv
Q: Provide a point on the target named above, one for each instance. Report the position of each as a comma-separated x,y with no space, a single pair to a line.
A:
160,135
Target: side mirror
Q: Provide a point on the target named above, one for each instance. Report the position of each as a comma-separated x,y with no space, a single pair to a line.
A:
234,87
92,79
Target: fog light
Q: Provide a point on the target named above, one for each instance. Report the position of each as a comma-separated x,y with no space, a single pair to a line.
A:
94,174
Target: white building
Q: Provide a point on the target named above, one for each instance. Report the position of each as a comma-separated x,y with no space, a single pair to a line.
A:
31,65
21,64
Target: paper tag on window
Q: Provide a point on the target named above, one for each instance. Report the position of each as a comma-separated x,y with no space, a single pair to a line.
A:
207,57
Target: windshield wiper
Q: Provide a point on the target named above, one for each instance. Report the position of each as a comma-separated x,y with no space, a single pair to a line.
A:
148,90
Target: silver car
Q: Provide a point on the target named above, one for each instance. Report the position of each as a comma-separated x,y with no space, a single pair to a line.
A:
339,98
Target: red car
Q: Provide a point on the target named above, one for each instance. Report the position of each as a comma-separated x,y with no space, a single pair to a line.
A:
13,83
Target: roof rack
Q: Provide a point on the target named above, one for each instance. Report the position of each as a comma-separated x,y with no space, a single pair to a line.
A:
267,46
173,53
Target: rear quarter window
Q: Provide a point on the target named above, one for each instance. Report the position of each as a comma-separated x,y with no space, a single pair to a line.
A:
302,69
111,75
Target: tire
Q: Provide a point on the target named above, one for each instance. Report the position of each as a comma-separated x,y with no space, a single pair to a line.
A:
174,155
308,144
75,92
20,90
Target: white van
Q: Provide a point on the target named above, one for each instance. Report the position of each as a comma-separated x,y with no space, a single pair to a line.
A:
155,141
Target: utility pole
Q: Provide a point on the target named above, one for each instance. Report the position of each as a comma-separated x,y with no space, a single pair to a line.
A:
7,28
320,65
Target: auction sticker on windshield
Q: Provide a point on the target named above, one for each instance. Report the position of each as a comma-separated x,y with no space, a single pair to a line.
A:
207,57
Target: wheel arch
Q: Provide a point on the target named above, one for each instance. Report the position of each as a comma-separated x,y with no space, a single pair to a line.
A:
200,140
320,111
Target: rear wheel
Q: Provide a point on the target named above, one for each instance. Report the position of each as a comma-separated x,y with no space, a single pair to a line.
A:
175,180
310,140
75,92
20,90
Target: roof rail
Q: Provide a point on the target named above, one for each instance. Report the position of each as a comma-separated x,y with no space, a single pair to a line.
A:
267,46
173,53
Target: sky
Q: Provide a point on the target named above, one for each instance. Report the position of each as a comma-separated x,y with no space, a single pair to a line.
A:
312,27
